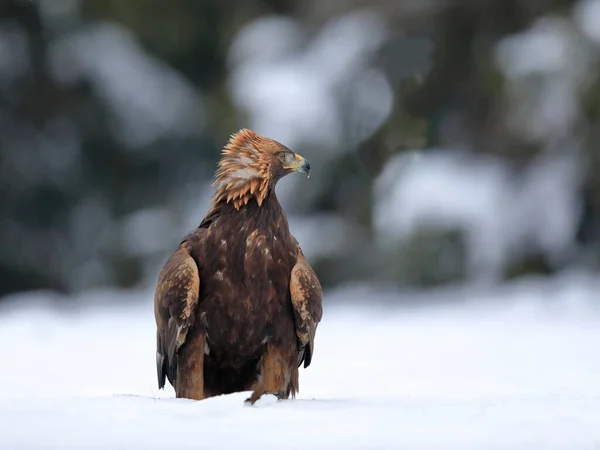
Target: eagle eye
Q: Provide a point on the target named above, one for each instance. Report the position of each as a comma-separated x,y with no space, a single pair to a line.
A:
288,158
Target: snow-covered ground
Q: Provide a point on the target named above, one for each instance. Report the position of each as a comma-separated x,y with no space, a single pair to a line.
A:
518,368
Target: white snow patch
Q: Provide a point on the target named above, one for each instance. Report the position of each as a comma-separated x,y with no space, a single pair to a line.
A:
291,88
587,16
515,368
540,49
502,214
265,400
148,98
547,67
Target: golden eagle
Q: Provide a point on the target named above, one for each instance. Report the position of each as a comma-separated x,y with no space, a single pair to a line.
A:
237,304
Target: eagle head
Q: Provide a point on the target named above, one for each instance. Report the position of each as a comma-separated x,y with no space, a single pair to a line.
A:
250,167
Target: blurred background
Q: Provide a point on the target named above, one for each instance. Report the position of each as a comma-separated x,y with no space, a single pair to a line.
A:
453,142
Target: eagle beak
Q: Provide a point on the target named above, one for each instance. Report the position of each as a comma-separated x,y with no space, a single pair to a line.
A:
301,165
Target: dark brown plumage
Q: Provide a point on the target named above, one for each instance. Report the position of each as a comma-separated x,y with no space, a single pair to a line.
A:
237,305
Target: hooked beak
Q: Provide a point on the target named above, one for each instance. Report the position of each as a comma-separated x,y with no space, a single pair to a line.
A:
300,165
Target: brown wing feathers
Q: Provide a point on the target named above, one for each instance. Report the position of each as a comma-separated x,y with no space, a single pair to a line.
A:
175,302
307,298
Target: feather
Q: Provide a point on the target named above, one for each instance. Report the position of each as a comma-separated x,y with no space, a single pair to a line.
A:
307,297
175,300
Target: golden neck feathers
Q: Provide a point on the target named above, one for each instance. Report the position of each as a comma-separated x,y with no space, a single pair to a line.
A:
243,171
250,166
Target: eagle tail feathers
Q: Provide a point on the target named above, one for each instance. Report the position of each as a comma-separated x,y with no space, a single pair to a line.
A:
166,358
160,370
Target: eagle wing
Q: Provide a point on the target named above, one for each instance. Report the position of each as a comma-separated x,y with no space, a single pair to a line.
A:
175,301
307,298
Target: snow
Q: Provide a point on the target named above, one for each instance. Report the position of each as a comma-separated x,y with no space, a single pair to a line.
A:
502,213
547,69
291,85
147,97
587,15
514,368
540,49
